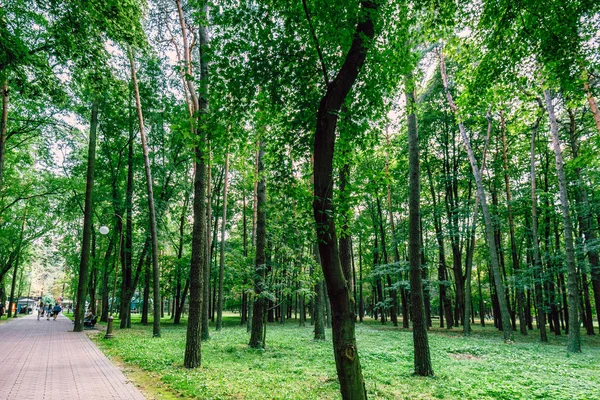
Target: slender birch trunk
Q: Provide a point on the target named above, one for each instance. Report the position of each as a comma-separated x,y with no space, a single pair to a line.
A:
500,293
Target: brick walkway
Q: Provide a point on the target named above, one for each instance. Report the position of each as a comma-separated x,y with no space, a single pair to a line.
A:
43,360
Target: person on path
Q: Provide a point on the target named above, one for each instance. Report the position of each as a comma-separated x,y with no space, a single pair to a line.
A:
40,310
48,311
55,310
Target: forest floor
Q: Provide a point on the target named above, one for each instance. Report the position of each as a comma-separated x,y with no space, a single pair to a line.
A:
294,366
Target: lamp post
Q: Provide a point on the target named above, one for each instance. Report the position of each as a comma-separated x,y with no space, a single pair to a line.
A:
109,327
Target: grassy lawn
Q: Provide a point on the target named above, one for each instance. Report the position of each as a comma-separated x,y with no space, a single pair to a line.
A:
294,366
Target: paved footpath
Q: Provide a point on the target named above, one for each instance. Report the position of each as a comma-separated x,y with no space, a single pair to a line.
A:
43,360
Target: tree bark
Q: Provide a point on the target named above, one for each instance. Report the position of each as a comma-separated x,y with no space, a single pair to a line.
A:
87,222
422,359
574,343
506,326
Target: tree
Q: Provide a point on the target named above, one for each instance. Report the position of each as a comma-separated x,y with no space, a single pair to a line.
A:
87,223
574,344
342,304
422,359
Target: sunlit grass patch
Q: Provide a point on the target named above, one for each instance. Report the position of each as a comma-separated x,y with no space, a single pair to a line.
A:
294,366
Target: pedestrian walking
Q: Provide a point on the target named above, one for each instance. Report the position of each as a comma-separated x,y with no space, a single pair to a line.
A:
55,310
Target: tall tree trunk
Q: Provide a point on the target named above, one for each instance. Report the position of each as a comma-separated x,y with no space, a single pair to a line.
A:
151,209
87,222
126,253
257,334
574,343
506,326
349,372
422,359
513,241
222,253
192,357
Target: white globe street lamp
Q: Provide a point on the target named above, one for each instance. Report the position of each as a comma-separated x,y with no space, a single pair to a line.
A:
104,229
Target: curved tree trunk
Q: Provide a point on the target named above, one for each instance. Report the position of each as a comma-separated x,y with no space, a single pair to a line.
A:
342,304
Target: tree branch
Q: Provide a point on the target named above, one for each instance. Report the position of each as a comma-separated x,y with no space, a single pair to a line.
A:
316,40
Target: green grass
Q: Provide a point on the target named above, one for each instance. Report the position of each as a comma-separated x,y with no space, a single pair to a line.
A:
294,366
